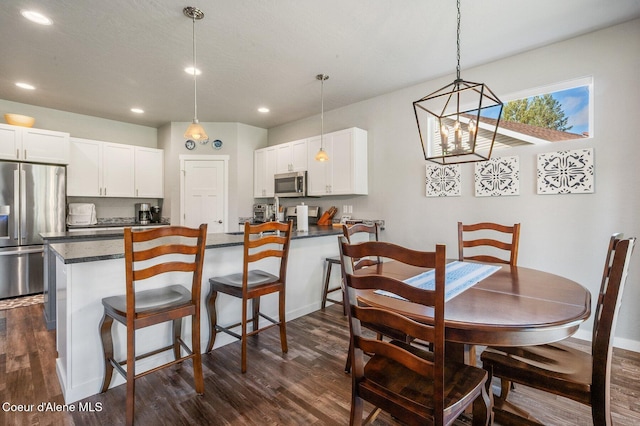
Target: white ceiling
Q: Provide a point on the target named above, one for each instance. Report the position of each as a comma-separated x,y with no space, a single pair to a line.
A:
101,58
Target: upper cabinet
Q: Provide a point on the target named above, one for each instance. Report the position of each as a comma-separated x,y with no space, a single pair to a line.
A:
34,145
104,169
264,167
346,171
291,157
149,172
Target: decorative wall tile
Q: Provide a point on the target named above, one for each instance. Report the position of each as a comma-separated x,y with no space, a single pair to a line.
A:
443,181
497,176
566,172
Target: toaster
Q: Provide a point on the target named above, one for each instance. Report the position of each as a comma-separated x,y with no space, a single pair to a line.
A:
81,214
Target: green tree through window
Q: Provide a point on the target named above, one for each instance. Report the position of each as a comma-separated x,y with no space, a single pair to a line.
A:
542,111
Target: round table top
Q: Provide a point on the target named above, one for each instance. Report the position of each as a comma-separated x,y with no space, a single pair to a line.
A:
514,306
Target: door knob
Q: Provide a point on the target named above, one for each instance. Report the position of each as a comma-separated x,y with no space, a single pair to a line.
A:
220,221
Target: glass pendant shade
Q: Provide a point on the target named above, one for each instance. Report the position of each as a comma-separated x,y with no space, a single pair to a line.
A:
196,132
322,155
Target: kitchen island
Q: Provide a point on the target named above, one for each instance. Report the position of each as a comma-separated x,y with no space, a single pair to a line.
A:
88,271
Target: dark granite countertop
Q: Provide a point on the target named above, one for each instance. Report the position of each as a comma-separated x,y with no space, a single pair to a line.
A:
103,247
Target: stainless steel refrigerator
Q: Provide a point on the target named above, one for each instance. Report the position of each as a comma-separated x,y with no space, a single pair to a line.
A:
32,200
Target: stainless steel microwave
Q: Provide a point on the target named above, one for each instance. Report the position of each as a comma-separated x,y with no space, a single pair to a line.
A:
290,184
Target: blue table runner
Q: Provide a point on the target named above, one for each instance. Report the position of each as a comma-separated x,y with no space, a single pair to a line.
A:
459,277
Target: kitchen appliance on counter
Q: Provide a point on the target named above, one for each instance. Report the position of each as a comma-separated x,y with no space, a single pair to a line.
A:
313,214
32,201
156,214
81,214
263,212
143,213
290,184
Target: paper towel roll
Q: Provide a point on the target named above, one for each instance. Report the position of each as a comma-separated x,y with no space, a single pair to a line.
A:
302,213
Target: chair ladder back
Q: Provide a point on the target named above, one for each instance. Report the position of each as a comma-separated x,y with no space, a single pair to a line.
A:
602,347
511,246
258,245
179,241
402,353
358,228
603,284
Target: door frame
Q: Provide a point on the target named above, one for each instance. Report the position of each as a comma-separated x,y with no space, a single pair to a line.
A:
225,159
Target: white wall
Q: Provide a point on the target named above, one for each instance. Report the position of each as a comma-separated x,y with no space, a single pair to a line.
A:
562,234
238,141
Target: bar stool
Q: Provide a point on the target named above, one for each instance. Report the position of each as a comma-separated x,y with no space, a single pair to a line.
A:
145,257
347,231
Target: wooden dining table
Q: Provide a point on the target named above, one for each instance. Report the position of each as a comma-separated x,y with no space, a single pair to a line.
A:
514,306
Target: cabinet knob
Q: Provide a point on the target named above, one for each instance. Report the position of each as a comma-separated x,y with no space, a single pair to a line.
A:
220,221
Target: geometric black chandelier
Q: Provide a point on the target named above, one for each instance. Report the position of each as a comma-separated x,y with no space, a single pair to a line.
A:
458,123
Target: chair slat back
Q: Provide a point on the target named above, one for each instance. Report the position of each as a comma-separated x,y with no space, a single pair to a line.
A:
140,247
506,238
361,228
609,301
265,240
369,279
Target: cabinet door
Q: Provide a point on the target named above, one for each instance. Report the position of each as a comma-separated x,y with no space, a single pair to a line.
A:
45,146
340,180
84,172
299,160
118,170
264,168
149,172
283,158
317,171
10,142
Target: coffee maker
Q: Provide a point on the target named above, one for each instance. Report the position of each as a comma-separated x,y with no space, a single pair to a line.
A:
143,213
156,214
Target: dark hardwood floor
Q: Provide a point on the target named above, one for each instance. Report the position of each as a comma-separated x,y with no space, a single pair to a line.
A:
305,386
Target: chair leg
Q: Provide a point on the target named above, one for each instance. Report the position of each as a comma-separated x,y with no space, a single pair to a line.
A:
327,278
107,348
347,365
177,334
197,355
255,319
213,319
283,322
131,375
357,406
243,337
482,409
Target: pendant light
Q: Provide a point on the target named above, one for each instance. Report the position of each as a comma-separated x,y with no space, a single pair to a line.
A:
195,131
458,123
322,154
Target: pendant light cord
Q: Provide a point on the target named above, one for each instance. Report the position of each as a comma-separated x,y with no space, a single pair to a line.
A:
322,112
458,43
195,84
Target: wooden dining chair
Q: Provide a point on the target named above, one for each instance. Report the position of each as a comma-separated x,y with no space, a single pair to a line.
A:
559,369
151,254
413,385
493,239
347,231
263,241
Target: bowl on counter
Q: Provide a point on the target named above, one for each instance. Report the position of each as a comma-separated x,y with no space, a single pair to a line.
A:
19,120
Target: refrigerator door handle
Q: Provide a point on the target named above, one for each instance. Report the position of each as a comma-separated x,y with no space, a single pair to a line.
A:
37,249
16,204
23,206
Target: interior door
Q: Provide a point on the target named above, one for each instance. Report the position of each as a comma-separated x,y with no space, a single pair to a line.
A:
204,194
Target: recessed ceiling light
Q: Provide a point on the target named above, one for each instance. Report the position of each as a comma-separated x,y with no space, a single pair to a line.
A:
189,70
25,86
137,110
263,110
36,17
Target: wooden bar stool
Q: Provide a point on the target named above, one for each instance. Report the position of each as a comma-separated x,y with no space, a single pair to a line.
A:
145,253
347,231
267,240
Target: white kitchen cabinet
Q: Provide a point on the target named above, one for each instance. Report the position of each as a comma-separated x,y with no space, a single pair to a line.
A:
264,167
149,172
100,169
291,156
346,171
34,145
